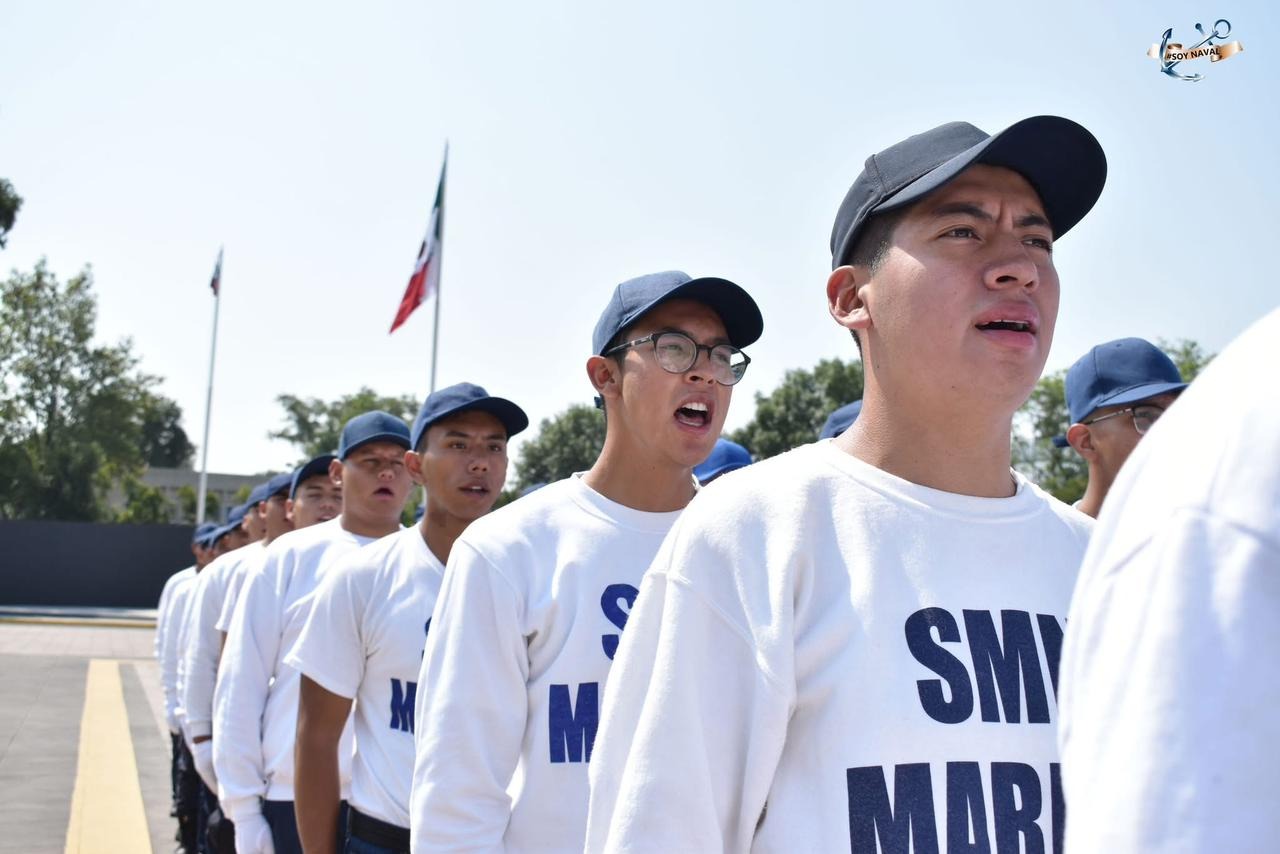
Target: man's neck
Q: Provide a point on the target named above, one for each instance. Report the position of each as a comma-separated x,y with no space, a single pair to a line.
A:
965,454
440,531
634,479
1095,492
362,527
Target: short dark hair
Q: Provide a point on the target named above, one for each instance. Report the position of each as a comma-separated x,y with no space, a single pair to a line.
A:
872,247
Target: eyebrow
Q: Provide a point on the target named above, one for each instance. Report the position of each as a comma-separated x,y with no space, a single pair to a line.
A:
970,209
458,434
718,340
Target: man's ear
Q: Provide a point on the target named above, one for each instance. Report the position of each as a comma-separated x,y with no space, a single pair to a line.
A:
1080,437
413,464
335,472
288,509
845,298
605,377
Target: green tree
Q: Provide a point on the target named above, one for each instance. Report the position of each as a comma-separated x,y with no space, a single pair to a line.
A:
164,442
143,504
792,413
187,505
565,443
1061,471
10,204
313,425
71,410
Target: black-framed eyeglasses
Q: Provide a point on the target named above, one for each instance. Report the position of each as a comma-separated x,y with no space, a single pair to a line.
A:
677,353
1143,416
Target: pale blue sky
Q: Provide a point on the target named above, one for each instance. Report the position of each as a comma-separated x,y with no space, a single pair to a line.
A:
590,142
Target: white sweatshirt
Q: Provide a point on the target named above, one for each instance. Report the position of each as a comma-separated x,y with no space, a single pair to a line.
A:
528,618
873,660
235,583
166,644
1170,673
255,702
203,640
175,665
363,640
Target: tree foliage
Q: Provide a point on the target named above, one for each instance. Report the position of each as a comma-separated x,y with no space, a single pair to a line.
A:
313,425
1061,471
566,443
10,204
187,505
792,413
71,410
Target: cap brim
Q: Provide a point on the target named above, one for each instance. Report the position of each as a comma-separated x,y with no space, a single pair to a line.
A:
1061,160
394,438
512,416
1060,442
741,316
1142,392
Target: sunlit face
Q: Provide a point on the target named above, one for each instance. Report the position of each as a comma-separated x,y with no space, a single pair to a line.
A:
964,305
317,500
463,464
677,416
255,523
375,482
1114,439
275,515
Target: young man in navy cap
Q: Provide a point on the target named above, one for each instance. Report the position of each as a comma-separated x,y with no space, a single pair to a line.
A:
864,632
536,595
256,699
167,657
1115,392
370,618
264,521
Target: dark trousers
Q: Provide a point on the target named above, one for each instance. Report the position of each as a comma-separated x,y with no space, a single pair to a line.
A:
284,826
215,833
186,797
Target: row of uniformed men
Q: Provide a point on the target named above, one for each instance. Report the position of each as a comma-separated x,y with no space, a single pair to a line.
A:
793,636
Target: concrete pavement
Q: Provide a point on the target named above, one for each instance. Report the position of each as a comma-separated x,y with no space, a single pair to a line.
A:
84,752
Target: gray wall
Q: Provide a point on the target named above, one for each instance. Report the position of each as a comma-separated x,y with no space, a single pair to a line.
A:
88,563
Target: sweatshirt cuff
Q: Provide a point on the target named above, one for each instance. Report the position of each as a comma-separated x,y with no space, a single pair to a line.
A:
196,729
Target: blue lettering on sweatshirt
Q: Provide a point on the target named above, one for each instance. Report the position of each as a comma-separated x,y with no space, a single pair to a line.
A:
572,725
909,826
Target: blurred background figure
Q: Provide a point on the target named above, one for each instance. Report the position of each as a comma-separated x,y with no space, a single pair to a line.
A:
840,420
725,457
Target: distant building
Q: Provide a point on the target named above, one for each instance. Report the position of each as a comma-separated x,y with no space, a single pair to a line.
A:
169,482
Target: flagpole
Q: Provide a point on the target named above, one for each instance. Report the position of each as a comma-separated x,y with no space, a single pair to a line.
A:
208,401
435,323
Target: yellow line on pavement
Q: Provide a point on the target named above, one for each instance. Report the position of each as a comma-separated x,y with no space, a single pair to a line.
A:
107,814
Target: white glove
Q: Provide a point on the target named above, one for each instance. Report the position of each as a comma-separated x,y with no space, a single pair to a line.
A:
202,755
253,835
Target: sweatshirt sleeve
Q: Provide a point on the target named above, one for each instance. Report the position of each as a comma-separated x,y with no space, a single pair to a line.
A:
169,660
1169,688
240,696
331,650
201,654
691,728
471,710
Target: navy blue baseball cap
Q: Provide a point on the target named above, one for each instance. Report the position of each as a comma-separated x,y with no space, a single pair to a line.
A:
311,468
279,485
1115,373
840,420
373,426
202,532
1061,160
235,518
258,494
464,397
724,458
634,297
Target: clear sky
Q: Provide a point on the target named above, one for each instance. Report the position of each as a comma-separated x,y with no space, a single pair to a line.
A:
589,142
